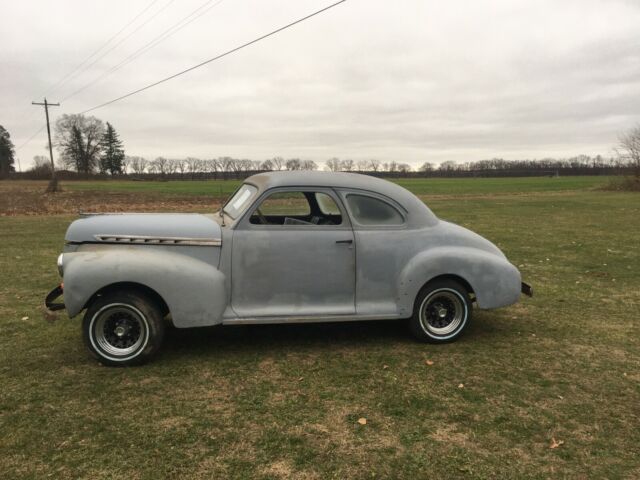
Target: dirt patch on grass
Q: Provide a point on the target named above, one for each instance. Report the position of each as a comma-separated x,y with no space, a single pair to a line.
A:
29,198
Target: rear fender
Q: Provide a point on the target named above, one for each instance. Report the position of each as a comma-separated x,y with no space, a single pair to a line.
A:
494,281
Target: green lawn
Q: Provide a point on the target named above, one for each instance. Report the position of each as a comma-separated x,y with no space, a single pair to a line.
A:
420,186
283,401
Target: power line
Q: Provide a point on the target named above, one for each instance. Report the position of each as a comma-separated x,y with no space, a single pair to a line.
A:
217,57
30,138
175,28
122,40
75,72
68,76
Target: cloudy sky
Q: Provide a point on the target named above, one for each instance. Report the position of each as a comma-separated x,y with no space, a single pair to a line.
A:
407,80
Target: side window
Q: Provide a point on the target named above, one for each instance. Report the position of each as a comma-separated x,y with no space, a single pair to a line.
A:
297,208
372,211
286,204
326,204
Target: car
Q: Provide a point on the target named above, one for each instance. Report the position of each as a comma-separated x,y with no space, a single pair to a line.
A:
287,247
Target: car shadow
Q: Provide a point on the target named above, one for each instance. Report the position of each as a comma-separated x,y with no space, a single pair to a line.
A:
284,336
264,339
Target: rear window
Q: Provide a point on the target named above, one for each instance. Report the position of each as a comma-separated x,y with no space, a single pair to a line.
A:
373,211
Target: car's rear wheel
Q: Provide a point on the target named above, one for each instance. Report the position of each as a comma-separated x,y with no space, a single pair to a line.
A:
441,312
123,328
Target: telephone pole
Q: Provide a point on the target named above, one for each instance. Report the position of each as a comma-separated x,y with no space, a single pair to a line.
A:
53,184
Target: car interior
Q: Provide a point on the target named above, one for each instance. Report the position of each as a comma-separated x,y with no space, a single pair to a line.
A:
297,208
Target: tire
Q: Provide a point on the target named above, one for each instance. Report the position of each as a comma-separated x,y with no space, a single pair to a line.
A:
123,328
441,312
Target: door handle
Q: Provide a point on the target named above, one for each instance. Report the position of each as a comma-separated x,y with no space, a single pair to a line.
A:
345,241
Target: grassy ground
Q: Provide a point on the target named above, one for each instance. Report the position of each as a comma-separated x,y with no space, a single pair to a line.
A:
420,186
284,401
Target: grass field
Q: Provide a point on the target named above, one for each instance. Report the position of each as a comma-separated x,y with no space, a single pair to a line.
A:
283,401
419,186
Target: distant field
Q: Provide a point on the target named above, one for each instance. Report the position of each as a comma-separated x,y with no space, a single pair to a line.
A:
283,402
420,186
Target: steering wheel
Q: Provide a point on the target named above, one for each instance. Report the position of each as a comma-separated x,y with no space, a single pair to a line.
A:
261,217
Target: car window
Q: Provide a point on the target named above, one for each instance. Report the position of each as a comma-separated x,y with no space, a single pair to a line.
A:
286,203
373,211
327,204
240,200
297,208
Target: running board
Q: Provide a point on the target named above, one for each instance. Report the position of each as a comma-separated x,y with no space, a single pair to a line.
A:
306,319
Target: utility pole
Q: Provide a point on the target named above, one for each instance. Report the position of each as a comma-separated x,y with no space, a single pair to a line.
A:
53,184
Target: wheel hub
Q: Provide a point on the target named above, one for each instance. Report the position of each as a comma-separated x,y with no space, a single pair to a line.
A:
442,312
119,330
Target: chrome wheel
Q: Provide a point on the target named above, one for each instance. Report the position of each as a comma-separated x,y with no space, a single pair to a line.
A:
442,312
119,331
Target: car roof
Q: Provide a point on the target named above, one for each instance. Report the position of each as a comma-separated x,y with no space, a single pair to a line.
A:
305,178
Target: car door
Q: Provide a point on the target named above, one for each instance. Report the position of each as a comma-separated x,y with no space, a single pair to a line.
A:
293,255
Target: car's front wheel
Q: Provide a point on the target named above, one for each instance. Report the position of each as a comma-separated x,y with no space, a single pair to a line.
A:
123,328
441,312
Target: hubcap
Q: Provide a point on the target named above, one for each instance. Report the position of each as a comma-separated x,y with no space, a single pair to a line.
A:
119,330
442,312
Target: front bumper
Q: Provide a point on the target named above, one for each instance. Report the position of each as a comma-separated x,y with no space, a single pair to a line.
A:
526,289
49,303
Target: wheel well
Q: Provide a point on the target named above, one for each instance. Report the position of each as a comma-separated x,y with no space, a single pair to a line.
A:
454,278
137,287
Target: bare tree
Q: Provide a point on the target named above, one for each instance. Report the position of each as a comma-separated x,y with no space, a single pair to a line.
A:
347,165
172,166
277,163
309,165
333,164
629,149
138,164
267,165
426,167
447,166
213,165
194,165
181,165
362,165
41,167
78,139
294,164
160,165
374,165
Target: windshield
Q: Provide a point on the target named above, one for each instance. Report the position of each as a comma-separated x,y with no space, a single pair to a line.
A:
240,201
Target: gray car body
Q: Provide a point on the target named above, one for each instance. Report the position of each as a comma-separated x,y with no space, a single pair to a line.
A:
213,269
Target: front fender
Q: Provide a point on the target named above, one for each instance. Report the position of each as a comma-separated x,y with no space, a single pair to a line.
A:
495,281
193,290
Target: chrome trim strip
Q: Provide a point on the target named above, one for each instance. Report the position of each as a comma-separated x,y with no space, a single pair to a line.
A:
150,240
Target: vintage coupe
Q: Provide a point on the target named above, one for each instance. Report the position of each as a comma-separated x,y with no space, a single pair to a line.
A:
286,247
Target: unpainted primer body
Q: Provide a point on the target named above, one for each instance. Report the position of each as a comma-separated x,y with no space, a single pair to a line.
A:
212,269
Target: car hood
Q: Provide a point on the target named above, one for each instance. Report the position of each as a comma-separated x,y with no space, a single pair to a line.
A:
142,228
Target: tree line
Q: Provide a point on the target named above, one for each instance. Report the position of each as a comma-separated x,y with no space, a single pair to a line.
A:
87,146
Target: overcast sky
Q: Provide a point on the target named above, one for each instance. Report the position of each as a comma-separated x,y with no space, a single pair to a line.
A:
408,80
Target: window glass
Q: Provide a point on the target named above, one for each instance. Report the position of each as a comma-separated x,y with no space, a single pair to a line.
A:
286,203
297,208
372,211
240,200
326,204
